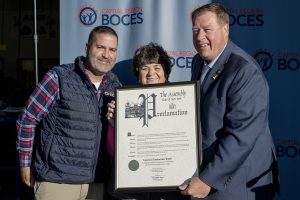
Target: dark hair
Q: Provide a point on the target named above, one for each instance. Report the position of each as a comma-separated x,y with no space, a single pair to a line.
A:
151,53
218,9
101,29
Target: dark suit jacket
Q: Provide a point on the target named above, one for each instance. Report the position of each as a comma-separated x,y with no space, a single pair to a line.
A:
239,160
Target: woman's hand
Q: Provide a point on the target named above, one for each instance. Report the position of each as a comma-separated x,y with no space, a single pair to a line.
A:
111,113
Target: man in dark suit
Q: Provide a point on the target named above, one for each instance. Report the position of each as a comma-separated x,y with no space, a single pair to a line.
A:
239,160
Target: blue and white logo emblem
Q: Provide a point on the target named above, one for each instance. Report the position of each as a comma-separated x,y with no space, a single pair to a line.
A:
264,59
88,16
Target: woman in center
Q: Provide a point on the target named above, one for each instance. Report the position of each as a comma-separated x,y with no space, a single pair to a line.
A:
151,65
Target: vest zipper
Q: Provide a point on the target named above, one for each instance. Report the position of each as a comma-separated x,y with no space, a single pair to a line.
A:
98,138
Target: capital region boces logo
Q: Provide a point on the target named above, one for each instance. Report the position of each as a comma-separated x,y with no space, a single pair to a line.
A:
283,61
88,15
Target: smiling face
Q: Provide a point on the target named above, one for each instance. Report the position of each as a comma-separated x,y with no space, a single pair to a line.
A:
151,74
101,55
151,64
209,36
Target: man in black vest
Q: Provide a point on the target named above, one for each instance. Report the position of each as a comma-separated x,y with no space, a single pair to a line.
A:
65,120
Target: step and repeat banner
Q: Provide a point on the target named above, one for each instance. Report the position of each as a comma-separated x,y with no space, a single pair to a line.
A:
137,22
267,29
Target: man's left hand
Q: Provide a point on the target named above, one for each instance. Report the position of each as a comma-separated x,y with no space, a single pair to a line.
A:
195,188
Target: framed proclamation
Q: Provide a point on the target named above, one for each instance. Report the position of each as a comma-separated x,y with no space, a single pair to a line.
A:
157,136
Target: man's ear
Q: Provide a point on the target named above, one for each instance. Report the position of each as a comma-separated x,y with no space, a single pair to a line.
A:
226,29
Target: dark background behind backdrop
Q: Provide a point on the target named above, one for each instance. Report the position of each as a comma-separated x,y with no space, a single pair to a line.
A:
17,78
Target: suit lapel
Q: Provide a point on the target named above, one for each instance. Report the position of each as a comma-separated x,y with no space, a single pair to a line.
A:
197,65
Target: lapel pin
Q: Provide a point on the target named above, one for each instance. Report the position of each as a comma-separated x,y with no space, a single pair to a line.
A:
216,75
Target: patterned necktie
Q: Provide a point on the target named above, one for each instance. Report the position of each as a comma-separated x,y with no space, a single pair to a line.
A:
204,72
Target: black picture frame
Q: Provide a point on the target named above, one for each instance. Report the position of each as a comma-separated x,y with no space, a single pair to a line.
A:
157,136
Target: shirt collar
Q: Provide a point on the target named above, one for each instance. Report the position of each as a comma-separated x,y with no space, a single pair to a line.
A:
211,64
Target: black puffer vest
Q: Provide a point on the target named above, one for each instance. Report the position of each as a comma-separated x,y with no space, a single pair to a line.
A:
72,136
